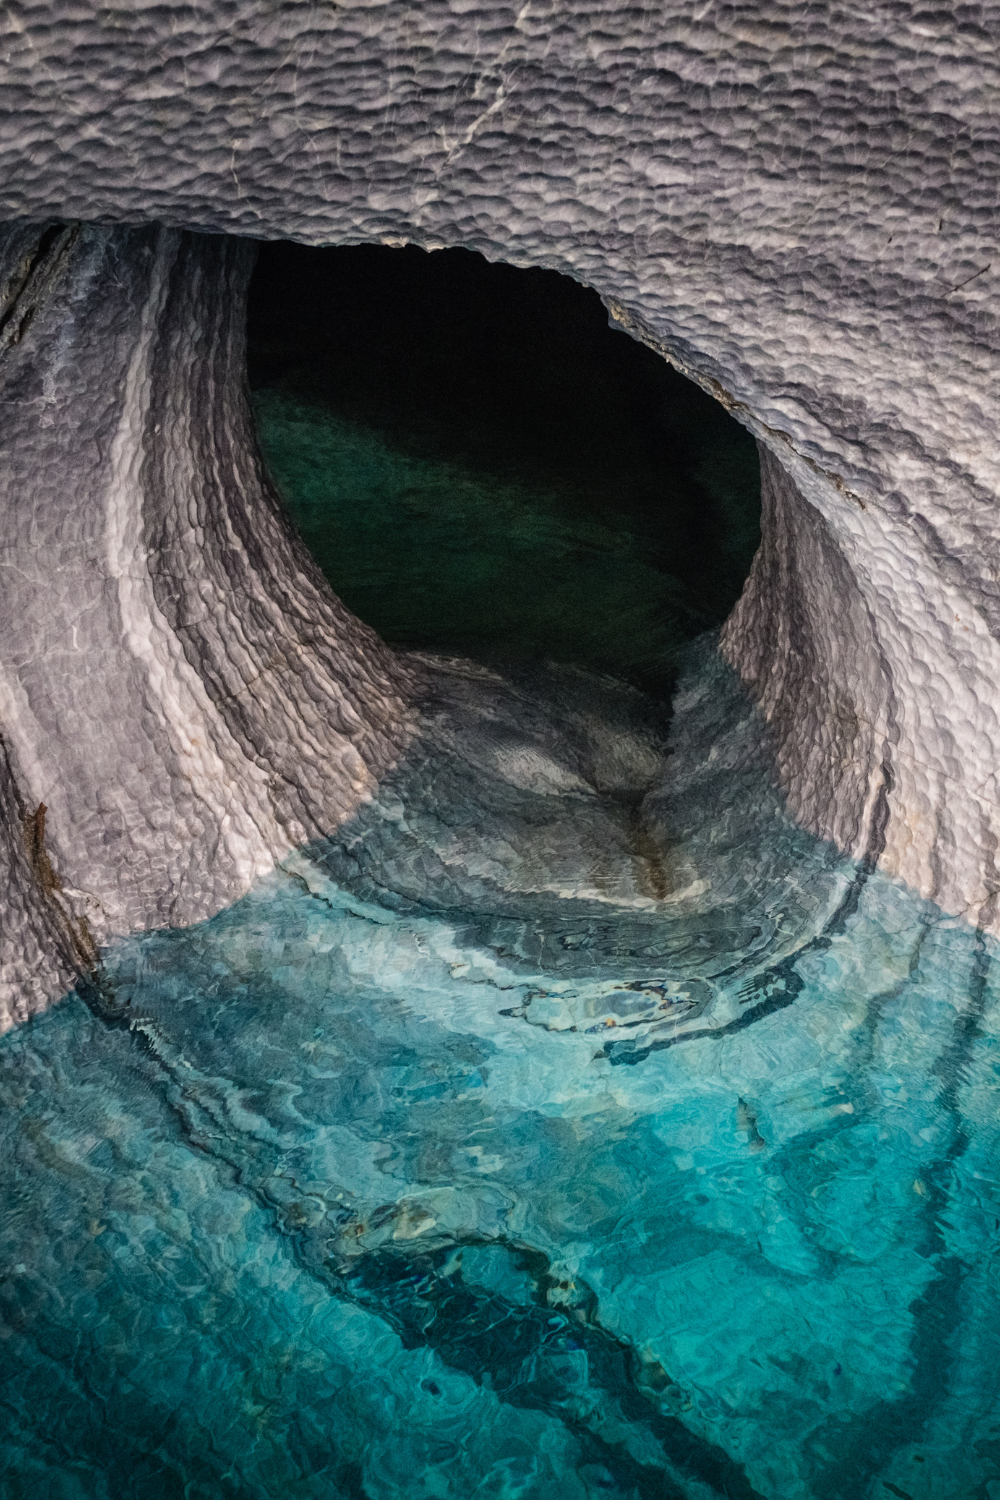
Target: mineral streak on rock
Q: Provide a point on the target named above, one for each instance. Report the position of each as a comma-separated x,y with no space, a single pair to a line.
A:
795,204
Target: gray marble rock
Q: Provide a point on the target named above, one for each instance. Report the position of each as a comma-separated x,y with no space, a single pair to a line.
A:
797,205
179,686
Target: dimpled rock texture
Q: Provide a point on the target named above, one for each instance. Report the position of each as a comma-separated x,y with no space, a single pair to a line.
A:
183,698
797,205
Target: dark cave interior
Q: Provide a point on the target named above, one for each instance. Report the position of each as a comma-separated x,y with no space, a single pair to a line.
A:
483,467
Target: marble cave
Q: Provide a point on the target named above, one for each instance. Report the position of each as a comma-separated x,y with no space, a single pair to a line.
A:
499,719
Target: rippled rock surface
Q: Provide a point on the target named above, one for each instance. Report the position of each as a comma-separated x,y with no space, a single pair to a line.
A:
383,1184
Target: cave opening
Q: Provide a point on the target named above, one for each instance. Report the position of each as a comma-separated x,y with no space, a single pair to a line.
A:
483,467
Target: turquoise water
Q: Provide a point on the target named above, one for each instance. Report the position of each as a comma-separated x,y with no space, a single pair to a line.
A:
415,1183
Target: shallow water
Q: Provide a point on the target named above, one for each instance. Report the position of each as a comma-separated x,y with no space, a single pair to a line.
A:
354,1191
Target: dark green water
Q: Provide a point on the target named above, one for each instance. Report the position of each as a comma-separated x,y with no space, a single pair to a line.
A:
483,467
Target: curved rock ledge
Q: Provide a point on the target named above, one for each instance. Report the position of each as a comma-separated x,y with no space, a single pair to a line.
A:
798,208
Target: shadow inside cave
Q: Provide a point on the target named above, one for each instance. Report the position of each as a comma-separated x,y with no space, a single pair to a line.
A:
483,467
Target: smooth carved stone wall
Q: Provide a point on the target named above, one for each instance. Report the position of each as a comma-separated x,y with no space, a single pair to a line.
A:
795,204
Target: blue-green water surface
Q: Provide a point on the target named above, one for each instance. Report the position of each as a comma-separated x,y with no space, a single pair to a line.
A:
303,1202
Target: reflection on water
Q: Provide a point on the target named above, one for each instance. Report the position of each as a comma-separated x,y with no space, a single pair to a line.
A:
416,1176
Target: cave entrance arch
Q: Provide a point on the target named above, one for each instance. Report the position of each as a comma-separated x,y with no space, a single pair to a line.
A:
482,466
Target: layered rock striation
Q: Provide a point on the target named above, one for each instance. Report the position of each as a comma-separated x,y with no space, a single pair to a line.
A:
183,699
796,206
